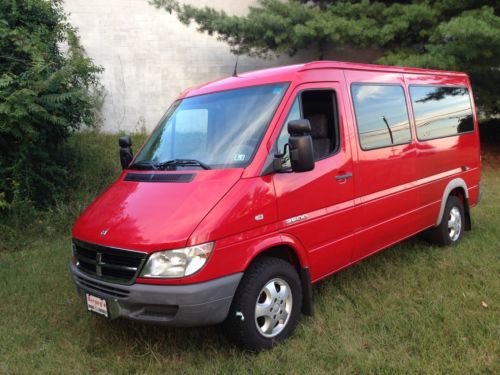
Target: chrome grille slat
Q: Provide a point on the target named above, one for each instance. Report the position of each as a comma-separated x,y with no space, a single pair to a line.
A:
108,263
117,267
85,259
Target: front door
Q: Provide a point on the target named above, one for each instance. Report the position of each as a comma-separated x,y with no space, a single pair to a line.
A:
317,206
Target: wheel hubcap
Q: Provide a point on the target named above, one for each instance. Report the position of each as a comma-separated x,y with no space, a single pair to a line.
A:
454,224
273,307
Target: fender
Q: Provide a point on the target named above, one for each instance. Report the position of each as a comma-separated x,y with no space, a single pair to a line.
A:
453,184
280,239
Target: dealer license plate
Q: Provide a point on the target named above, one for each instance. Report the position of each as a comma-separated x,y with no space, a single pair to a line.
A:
97,305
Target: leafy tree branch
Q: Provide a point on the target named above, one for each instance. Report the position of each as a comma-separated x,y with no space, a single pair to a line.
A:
442,34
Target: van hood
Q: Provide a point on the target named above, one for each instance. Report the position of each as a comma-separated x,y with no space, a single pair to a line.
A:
151,211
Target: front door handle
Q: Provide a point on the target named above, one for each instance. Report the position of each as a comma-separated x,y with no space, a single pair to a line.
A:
344,176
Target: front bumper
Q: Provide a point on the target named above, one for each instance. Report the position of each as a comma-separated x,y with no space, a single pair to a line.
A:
175,305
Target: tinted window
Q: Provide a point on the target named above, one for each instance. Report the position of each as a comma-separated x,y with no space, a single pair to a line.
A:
441,111
381,115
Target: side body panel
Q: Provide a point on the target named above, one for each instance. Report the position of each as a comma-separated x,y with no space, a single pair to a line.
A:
441,160
384,178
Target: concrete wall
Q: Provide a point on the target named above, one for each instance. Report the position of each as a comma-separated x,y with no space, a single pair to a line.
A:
149,57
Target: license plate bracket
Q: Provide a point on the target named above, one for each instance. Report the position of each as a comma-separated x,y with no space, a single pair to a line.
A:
97,305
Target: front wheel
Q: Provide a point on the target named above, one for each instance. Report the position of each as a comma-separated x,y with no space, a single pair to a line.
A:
266,306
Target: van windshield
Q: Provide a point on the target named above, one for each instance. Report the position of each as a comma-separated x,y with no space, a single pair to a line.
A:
212,131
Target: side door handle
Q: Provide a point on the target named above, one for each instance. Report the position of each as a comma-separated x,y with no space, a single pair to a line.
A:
344,176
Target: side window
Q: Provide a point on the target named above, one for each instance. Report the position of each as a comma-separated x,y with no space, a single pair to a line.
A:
441,111
320,108
381,115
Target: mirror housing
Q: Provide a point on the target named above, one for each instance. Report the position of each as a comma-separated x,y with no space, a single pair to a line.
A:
126,154
301,146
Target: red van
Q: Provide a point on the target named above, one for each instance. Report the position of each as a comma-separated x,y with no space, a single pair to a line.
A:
254,187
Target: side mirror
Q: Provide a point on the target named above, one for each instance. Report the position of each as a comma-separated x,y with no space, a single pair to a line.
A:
301,146
126,154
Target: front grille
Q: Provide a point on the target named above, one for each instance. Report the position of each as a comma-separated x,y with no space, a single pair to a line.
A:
107,263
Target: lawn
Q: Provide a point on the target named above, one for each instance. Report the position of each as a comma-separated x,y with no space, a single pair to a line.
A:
412,308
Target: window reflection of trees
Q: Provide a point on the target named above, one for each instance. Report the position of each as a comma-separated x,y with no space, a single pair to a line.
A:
439,93
441,111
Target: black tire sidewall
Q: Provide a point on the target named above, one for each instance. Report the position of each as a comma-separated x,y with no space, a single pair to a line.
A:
244,331
452,201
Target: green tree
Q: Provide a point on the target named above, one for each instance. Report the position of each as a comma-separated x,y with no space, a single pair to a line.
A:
48,88
441,34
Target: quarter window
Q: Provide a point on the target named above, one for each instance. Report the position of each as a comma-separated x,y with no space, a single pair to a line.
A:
294,114
381,115
441,111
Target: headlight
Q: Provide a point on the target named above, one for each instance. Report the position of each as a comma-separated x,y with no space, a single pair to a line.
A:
178,262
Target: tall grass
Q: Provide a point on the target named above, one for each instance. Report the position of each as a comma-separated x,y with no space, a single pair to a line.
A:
94,165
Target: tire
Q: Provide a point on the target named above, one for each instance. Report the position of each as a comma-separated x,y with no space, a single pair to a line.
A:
264,288
451,228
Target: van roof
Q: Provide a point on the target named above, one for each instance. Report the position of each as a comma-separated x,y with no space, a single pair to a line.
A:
288,73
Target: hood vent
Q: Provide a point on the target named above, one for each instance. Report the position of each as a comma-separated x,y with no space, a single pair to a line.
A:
159,177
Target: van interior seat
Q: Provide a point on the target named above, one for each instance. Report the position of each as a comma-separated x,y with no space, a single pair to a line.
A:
322,142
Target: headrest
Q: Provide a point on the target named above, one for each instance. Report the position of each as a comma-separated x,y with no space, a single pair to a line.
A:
319,126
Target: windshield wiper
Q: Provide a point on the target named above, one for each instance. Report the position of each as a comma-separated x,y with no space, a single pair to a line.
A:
181,162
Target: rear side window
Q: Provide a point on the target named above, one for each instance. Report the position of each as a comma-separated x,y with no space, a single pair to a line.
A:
381,115
441,111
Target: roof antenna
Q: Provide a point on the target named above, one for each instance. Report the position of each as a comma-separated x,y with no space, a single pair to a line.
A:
235,73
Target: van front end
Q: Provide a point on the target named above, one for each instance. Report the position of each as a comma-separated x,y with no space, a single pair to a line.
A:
148,248
105,278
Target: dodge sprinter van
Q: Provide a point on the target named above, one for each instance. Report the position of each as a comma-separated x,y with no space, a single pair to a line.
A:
254,187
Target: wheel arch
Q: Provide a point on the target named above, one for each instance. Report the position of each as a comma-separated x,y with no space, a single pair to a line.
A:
457,187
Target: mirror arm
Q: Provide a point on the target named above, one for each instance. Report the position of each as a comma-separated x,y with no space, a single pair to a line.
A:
284,152
277,159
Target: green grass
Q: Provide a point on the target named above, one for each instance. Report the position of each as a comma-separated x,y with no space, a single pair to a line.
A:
412,308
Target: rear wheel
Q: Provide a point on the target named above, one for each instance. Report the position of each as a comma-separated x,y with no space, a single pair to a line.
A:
266,306
451,228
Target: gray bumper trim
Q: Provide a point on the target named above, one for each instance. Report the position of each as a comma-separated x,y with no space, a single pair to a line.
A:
175,305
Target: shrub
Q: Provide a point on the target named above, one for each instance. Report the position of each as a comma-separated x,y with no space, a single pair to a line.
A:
48,89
